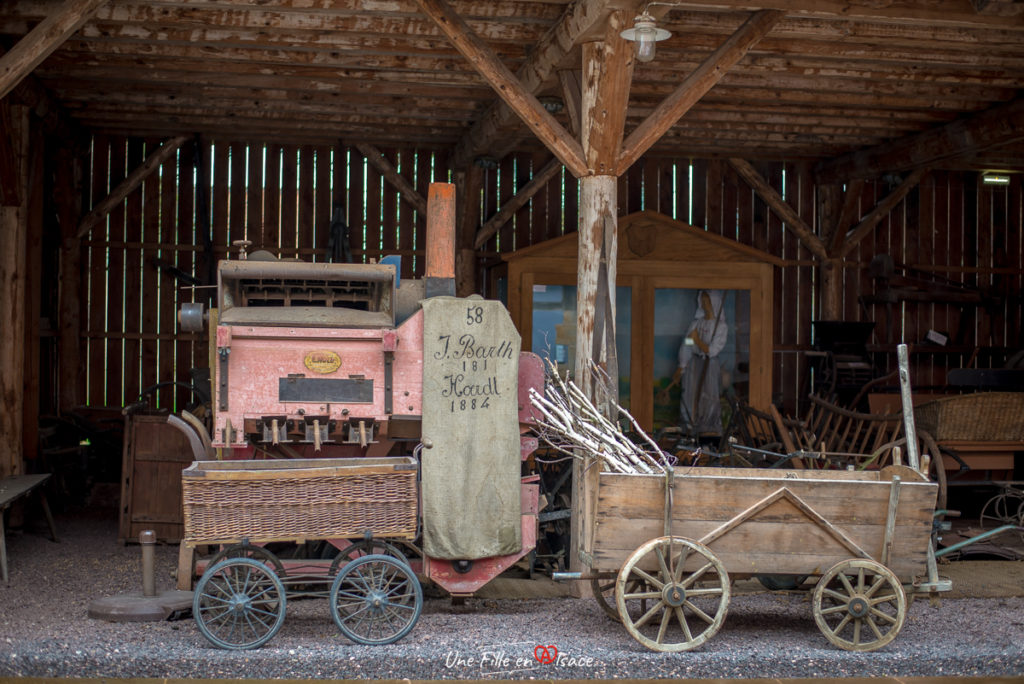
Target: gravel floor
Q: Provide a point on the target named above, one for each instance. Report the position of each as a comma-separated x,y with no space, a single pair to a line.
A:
45,632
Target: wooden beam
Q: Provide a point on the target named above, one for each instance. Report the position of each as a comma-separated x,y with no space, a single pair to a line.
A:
569,80
607,71
509,208
691,90
134,179
468,184
868,223
774,200
846,214
390,173
10,189
13,241
544,58
997,126
42,40
67,198
506,85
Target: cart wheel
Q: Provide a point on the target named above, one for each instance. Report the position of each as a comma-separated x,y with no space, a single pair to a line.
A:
859,605
694,600
366,548
239,604
376,600
257,553
604,593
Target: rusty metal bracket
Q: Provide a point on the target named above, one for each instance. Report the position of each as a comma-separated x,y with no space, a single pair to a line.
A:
222,377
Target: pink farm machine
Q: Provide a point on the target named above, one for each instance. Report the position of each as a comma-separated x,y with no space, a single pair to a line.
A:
379,416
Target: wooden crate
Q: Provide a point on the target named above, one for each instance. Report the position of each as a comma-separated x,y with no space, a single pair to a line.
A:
299,499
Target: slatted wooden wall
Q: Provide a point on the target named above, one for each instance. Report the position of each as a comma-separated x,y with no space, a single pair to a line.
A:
281,198
187,217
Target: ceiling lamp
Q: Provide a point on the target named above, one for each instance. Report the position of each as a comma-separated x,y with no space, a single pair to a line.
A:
995,178
646,35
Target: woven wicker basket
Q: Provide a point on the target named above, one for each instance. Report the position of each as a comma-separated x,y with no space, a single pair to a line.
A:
292,500
982,417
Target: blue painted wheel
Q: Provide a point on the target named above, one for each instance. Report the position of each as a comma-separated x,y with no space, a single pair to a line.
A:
239,604
376,600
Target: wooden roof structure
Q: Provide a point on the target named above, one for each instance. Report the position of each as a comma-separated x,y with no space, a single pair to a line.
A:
861,88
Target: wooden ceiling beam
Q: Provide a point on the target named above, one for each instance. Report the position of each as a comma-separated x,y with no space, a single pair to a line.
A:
580,18
405,189
507,86
569,80
517,202
437,68
696,85
953,13
187,119
133,181
395,42
774,200
292,14
42,40
998,125
875,216
256,135
117,75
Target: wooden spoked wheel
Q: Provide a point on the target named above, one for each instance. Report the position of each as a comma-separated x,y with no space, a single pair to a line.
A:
239,604
604,593
686,590
376,600
859,605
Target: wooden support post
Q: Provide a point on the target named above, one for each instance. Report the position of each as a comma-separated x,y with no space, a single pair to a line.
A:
33,292
832,290
598,227
467,201
67,197
13,235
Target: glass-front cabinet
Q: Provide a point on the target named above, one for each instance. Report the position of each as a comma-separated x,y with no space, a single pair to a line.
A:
693,319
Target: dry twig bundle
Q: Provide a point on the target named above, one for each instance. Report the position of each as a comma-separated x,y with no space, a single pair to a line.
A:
573,425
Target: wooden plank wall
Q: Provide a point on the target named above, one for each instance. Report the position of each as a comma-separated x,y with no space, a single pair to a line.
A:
281,198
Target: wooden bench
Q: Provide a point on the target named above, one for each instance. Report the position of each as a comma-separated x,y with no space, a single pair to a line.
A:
11,489
842,437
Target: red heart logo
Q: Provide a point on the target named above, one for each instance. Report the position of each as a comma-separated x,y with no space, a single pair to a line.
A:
545,655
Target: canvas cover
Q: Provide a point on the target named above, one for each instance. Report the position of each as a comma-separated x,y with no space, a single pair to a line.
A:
471,476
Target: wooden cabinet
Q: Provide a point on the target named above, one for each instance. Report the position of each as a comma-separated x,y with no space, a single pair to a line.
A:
155,453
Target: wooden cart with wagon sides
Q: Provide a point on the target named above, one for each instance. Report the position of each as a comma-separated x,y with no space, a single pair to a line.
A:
864,535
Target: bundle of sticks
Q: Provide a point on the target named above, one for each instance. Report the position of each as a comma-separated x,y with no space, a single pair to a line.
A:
573,425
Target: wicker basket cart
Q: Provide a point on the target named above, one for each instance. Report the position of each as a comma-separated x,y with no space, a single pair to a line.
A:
361,505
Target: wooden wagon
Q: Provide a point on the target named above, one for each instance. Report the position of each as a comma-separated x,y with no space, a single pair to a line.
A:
670,545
